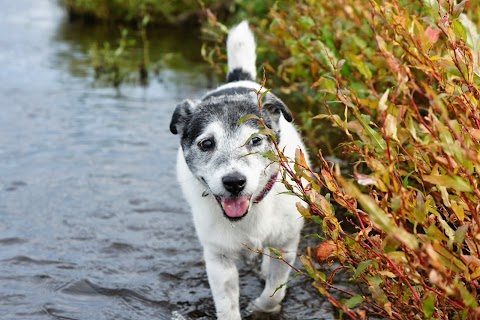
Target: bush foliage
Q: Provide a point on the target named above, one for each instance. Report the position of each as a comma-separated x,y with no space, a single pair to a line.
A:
406,78
401,81
165,12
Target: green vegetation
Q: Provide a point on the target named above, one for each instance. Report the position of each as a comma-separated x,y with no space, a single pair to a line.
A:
402,82
128,58
400,79
114,65
168,12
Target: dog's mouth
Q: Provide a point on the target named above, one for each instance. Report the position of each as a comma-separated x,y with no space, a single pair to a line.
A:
234,208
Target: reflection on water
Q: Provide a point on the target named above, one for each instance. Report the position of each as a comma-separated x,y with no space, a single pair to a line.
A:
92,225
169,49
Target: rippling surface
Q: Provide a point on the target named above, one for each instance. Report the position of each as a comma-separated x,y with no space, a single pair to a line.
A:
92,223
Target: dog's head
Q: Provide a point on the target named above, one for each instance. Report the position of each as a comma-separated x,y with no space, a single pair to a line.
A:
223,152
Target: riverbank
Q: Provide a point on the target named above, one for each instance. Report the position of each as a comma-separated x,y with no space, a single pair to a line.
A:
172,13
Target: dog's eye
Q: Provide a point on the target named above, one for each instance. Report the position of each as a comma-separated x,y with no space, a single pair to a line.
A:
207,144
255,141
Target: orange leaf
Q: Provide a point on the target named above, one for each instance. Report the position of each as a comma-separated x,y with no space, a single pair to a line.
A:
324,251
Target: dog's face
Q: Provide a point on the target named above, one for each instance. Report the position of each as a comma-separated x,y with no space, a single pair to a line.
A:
224,153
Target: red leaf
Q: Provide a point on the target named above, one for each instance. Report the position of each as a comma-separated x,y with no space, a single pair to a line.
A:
432,34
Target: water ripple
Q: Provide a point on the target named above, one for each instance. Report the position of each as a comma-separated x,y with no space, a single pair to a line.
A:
12,241
25,260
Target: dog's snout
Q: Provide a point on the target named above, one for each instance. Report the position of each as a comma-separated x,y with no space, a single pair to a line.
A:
234,182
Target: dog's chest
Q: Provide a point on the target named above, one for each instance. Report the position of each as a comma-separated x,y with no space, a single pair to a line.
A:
251,234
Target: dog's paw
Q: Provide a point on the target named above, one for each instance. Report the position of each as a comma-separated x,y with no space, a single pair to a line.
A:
177,316
257,306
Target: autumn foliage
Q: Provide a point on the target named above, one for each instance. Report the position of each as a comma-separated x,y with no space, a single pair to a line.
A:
400,82
405,92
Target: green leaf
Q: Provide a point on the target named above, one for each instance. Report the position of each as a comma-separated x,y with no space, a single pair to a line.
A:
405,179
468,299
459,30
359,64
380,218
472,37
378,295
322,116
270,155
276,252
268,132
460,234
447,258
435,234
308,266
248,117
374,281
428,304
353,301
376,138
361,268
145,20
317,219
396,203
284,284
306,22
455,182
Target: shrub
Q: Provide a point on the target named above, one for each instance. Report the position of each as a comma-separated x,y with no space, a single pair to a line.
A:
161,12
407,77
401,81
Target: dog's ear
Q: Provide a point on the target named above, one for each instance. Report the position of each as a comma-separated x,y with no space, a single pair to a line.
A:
181,116
273,106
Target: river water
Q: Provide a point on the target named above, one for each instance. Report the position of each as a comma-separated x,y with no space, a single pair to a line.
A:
92,223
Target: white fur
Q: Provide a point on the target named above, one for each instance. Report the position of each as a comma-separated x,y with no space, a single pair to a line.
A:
236,149
273,222
241,49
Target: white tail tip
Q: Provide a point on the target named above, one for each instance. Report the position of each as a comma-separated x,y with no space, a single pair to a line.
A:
241,53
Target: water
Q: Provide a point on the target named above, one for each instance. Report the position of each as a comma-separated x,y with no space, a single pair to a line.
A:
92,223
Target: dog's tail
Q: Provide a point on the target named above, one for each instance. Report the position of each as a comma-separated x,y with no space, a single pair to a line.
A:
241,54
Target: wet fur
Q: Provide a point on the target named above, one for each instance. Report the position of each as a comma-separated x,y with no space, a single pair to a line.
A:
274,221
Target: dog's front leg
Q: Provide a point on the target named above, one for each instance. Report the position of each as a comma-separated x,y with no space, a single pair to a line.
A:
223,279
276,276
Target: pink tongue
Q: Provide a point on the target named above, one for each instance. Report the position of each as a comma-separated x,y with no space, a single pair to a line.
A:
235,207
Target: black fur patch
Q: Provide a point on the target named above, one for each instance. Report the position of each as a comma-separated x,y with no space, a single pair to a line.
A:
238,74
181,116
228,111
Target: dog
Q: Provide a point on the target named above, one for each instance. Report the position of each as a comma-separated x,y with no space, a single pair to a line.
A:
235,193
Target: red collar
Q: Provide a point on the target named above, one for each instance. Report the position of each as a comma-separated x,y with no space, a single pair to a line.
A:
267,188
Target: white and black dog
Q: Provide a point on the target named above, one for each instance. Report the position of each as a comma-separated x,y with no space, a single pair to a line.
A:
235,194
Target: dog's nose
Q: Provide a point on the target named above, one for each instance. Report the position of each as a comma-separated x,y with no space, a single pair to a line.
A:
234,182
